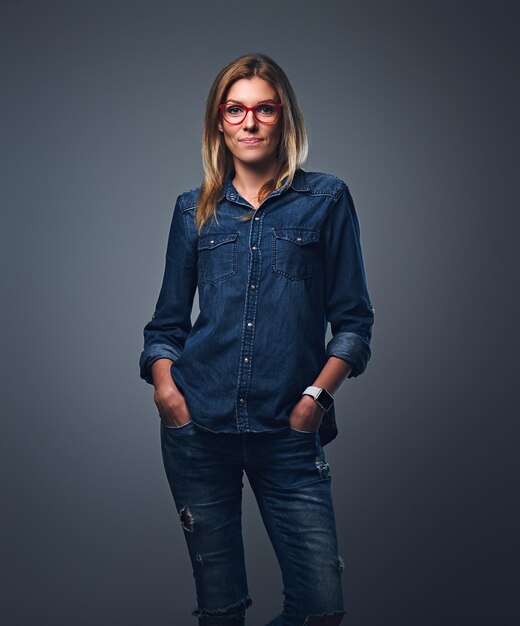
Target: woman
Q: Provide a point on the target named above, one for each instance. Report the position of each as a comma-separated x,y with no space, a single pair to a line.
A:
275,253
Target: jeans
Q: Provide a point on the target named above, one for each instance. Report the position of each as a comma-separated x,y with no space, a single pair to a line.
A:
290,478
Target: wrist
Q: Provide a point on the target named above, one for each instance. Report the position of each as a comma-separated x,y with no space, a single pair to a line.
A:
168,390
321,396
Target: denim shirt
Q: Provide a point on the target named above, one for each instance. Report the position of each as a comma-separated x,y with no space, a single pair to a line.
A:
267,289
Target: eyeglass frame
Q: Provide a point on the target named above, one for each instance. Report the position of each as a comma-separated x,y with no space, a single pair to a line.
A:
278,104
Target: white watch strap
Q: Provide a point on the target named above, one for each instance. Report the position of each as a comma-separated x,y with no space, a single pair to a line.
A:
313,391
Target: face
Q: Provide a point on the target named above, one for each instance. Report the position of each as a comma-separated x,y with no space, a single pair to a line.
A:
250,92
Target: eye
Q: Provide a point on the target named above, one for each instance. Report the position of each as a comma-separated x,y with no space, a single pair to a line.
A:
267,109
234,109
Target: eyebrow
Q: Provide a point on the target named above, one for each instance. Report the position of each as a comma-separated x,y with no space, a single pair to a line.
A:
261,101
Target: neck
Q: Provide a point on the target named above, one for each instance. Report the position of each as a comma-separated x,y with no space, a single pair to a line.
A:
249,178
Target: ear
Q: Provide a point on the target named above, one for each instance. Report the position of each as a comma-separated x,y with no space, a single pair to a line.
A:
220,127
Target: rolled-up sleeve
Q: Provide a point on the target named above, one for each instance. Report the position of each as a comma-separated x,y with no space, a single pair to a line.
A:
165,334
348,306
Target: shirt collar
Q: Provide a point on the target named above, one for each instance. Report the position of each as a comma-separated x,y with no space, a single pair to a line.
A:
299,183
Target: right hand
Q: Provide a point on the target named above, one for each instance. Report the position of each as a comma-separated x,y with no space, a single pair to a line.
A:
170,402
171,405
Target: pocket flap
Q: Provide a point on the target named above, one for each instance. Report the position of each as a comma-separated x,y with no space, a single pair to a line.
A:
216,239
299,236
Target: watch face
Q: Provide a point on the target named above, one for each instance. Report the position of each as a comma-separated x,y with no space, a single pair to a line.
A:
325,399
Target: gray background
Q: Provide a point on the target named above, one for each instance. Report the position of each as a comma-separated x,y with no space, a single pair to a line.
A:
415,105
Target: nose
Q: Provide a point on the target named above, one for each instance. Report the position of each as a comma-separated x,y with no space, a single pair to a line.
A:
249,120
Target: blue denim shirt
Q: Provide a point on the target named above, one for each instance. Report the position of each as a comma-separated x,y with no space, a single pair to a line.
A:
267,289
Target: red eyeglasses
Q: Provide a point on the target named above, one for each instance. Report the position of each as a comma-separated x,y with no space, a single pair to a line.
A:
265,113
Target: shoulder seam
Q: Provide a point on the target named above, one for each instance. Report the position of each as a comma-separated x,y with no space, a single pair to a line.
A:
186,204
340,190
329,190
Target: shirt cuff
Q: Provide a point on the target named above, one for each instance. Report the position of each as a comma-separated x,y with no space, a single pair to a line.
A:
350,347
152,354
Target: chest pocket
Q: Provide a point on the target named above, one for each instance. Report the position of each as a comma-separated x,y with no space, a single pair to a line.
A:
217,256
294,251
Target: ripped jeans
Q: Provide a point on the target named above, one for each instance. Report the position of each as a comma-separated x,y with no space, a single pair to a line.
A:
290,479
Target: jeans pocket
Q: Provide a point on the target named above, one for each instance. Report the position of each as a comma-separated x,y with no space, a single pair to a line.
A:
177,428
302,432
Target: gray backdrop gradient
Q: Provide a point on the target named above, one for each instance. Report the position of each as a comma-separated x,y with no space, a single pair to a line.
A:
415,105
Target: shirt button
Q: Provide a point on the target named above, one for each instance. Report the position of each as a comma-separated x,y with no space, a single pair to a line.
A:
253,247
242,400
253,286
212,241
298,238
249,324
246,360
257,218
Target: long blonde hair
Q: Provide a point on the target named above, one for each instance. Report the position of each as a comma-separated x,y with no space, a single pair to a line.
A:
217,160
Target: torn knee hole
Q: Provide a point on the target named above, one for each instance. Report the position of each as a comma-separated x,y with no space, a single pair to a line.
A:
186,518
233,613
323,467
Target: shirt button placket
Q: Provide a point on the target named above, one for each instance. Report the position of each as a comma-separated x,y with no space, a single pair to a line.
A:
246,351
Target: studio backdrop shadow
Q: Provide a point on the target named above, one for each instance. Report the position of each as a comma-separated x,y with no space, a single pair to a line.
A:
413,104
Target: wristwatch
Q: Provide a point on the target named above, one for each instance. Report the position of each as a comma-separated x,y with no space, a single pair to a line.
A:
322,396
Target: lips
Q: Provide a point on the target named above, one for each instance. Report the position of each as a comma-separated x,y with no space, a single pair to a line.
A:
250,141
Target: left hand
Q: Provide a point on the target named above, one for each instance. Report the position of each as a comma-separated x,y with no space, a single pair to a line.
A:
306,414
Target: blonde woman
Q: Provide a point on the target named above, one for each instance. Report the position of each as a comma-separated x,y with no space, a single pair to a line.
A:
275,253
